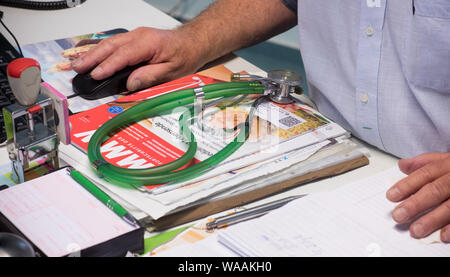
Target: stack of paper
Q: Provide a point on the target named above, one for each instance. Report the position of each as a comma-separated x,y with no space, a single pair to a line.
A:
354,220
223,179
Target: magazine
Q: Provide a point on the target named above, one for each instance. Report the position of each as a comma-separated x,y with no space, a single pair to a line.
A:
55,57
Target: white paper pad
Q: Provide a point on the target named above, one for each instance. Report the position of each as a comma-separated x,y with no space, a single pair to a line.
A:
59,216
354,220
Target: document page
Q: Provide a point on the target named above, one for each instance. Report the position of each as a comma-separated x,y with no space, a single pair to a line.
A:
354,220
59,216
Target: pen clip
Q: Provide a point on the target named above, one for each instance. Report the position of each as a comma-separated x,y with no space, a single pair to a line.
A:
69,169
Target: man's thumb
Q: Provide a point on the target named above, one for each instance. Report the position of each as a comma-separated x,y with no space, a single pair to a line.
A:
147,76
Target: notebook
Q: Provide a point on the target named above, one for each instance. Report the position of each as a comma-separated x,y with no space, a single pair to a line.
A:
60,217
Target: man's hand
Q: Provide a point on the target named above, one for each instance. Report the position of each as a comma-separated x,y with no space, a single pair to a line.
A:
425,194
165,51
227,25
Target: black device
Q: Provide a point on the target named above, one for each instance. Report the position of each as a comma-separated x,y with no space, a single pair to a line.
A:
90,89
41,5
7,54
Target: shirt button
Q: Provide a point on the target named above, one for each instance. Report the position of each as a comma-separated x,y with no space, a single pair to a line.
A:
370,31
364,97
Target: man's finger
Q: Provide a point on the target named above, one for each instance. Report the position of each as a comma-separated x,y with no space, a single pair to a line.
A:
124,56
100,52
432,221
426,198
417,179
408,166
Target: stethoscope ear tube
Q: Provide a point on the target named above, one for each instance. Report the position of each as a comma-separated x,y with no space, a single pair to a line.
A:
169,172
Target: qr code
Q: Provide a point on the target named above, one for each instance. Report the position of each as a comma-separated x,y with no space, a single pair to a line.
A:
289,121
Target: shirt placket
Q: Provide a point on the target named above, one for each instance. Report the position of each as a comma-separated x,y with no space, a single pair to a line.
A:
367,70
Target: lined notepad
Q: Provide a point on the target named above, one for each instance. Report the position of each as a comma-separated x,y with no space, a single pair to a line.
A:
59,216
354,220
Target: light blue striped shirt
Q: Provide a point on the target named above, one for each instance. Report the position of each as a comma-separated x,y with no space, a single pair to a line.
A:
381,69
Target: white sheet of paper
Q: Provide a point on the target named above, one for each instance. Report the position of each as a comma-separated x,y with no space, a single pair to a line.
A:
354,220
59,216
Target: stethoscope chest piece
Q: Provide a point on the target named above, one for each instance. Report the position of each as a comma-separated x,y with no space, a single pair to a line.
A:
281,83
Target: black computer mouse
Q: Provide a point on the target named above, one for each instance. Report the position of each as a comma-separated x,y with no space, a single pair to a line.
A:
88,88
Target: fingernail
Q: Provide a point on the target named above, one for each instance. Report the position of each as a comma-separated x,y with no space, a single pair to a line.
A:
77,63
97,71
135,85
393,193
445,235
400,214
418,230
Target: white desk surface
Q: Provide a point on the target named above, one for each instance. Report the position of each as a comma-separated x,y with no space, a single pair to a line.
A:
30,26
97,15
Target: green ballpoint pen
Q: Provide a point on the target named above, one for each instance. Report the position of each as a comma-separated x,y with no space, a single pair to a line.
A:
103,197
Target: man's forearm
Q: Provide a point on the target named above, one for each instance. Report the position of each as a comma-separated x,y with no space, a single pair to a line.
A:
228,25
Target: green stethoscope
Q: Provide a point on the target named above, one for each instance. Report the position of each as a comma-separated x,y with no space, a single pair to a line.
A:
277,87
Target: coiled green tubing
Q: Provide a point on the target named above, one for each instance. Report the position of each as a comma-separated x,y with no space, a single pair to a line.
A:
170,172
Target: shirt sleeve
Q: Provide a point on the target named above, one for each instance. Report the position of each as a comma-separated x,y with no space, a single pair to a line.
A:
291,4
